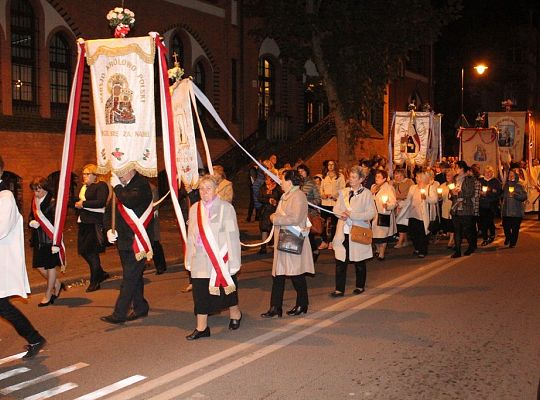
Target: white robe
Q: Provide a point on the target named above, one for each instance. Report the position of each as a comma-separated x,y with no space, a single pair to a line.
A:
14,279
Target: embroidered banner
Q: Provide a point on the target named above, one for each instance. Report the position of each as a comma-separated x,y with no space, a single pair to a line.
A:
511,127
479,146
122,72
184,133
411,137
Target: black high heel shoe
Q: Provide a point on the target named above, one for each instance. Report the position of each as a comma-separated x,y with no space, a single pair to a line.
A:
297,310
234,324
272,312
51,301
57,295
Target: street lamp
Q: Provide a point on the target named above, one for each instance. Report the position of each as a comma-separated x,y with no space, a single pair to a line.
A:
480,69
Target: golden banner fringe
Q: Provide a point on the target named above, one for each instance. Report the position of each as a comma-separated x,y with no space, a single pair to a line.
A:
148,172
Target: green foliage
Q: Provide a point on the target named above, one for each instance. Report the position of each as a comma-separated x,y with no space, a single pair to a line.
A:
363,41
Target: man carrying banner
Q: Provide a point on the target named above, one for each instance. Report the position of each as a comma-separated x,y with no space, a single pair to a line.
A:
133,237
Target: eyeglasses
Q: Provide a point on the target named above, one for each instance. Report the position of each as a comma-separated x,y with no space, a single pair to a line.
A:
87,173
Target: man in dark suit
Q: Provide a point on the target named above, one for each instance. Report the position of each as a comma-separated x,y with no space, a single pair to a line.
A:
133,237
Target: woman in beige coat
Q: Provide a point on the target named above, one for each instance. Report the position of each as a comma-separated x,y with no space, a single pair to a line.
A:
385,203
213,258
291,213
356,207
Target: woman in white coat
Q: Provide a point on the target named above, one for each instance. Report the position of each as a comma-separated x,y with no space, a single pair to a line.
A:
213,257
417,208
356,207
385,202
14,280
291,212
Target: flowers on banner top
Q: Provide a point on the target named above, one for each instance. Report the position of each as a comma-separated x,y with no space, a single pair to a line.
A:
122,20
176,72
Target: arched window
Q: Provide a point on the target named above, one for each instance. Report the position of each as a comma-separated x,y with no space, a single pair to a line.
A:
200,76
177,47
60,72
266,87
23,55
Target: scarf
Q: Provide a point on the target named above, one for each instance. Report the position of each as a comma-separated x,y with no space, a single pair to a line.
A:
141,241
48,228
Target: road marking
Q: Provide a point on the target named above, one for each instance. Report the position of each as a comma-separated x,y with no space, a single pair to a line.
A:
42,378
13,372
52,392
387,289
11,358
112,388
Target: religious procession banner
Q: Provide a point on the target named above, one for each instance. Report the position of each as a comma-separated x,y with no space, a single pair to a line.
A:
435,142
480,146
511,127
122,73
411,137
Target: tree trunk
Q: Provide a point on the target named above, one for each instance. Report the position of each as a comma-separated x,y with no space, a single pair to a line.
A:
345,142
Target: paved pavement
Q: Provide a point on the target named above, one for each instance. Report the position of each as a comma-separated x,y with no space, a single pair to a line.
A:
77,272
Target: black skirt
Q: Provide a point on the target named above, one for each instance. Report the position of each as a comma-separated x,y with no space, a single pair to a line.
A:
88,241
42,257
402,228
205,303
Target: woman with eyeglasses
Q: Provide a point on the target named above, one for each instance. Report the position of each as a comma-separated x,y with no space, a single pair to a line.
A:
91,209
41,224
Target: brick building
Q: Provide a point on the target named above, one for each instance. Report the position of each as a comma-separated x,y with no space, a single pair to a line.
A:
245,79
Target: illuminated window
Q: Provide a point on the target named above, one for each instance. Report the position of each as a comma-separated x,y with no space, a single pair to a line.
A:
23,54
266,88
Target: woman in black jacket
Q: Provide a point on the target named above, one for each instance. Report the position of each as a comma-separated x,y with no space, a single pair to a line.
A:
41,221
489,204
513,210
269,195
91,238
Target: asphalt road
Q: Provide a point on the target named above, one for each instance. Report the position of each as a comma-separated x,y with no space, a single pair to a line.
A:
437,328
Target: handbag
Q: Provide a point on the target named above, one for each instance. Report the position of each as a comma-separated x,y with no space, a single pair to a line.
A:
289,242
317,223
383,220
361,235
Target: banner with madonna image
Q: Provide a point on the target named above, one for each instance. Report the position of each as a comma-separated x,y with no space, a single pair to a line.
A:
511,127
480,146
122,73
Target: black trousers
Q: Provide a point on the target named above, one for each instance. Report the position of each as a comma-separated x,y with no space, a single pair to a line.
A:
417,232
159,256
341,270
96,270
463,227
511,227
278,288
487,224
132,287
21,324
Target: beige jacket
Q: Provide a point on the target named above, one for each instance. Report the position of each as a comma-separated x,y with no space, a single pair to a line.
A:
292,210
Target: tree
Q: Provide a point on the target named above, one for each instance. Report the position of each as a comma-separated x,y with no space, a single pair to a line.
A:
356,45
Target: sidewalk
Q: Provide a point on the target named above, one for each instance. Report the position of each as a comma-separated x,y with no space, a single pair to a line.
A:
77,272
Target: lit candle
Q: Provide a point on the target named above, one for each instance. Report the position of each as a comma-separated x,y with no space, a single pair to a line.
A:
384,198
511,189
423,191
451,186
484,189
439,191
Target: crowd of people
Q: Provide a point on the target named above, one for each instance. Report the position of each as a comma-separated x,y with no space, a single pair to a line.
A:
359,213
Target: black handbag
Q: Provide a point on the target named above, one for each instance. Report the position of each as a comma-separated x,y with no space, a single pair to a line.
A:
289,242
383,220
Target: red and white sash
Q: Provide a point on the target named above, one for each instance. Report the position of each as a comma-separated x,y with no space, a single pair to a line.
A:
48,228
218,257
141,241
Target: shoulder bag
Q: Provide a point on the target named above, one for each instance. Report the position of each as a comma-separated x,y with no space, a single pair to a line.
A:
361,235
289,242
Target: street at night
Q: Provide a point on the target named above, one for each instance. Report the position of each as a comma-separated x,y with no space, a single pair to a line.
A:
433,328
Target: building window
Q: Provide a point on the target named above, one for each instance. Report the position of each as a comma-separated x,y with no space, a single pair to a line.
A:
23,55
200,76
60,72
266,88
177,50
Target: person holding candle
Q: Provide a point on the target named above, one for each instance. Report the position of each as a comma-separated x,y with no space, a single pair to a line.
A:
464,197
384,223
513,209
446,204
489,204
402,184
416,208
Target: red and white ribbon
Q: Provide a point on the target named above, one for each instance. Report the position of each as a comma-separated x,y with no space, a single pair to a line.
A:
48,228
218,257
141,241
68,150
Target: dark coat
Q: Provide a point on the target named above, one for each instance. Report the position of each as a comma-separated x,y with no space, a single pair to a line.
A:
96,197
267,209
38,237
136,195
